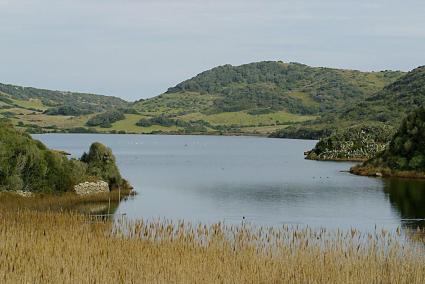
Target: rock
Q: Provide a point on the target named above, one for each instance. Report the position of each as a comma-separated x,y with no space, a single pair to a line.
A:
87,188
24,193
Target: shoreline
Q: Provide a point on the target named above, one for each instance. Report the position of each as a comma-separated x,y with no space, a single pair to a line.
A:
386,173
175,134
338,159
64,201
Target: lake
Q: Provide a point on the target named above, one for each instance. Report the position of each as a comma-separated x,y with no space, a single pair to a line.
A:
266,182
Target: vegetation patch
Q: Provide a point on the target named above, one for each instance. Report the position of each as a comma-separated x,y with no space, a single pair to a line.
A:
188,126
405,155
356,143
252,98
277,85
26,164
106,119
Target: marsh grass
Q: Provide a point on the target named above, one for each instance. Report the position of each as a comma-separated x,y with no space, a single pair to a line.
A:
367,170
45,246
62,202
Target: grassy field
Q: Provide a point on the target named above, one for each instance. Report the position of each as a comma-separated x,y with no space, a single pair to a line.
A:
186,106
30,104
244,119
129,125
62,122
262,130
176,103
262,124
47,246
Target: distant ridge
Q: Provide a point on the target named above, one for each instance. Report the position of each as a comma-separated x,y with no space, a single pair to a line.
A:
251,99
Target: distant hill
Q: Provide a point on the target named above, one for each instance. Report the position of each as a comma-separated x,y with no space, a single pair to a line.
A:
384,111
40,110
392,103
57,102
293,87
388,106
266,96
251,99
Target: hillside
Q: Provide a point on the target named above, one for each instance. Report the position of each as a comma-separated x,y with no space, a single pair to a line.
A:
251,99
405,156
264,97
391,103
40,110
57,102
388,106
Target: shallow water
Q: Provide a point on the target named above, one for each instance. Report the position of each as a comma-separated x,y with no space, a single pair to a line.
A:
249,179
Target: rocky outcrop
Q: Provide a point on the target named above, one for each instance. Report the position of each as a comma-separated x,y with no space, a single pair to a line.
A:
24,193
357,143
87,188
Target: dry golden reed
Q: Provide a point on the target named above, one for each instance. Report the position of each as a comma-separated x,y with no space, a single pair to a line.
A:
66,247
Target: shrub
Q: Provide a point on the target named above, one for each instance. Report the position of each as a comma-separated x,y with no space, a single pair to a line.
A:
106,119
26,164
417,162
68,110
101,163
407,149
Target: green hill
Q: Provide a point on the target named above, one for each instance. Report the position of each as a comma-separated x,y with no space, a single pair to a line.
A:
251,99
392,103
264,97
388,106
385,109
293,87
405,156
57,102
40,110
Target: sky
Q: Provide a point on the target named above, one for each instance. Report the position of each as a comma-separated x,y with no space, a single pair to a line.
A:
137,49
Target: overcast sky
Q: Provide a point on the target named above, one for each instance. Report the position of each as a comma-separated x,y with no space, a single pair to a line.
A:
138,48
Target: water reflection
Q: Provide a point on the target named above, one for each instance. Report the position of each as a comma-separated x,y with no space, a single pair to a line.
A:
97,208
408,198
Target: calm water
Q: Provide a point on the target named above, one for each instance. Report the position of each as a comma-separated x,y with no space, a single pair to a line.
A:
267,181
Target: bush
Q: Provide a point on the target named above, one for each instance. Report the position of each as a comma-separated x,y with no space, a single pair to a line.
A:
26,164
407,149
101,163
68,110
198,126
417,162
144,122
106,119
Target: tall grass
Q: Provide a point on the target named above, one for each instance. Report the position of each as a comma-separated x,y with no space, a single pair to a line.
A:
66,247
61,202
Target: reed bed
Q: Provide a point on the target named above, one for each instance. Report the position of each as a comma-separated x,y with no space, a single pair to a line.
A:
60,202
44,246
